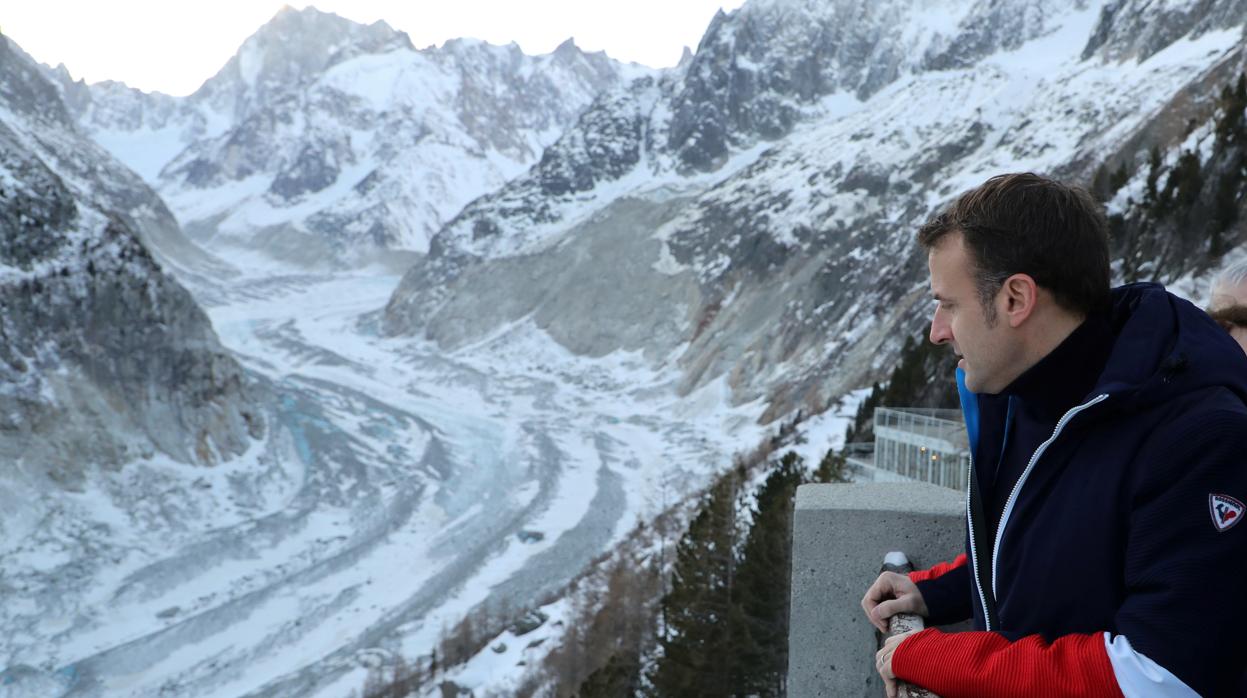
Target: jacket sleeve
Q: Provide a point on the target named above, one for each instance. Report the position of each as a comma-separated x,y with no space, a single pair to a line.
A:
945,589
972,664
1178,630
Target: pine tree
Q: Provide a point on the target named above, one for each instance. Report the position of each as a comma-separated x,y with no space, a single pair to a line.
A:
619,678
922,377
620,627
862,429
1233,103
1151,197
1184,182
1118,179
763,582
697,643
1225,210
831,467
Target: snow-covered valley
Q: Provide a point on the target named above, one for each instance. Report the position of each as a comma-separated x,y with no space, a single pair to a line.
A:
387,502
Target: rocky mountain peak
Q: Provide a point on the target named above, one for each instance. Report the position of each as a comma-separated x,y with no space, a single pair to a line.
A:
342,133
567,47
25,90
759,69
294,47
686,56
290,27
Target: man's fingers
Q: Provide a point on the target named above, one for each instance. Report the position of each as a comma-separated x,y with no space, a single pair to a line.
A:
880,626
891,607
881,591
880,622
886,586
883,665
883,661
874,595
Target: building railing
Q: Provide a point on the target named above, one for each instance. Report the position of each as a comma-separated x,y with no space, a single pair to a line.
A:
928,445
944,426
946,414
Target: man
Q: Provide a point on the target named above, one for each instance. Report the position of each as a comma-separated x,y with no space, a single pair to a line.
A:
1229,301
1108,434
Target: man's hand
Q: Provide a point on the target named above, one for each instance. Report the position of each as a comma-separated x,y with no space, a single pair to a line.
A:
883,660
891,594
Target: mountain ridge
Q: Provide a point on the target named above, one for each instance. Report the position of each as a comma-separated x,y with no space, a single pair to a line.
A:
301,144
781,242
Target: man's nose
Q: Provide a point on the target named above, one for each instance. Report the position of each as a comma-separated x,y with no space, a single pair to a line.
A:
941,333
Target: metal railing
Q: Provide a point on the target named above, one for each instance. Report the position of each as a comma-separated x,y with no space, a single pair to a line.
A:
928,424
928,445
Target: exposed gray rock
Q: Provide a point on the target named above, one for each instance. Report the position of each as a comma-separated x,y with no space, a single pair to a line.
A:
529,622
758,68
313,169
605,143
991,26
592,308
103,356
88,169
1137,29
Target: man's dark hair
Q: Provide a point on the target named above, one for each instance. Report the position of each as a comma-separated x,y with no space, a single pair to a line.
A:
1028,224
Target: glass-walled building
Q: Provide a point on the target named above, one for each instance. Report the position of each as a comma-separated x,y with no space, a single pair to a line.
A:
922,444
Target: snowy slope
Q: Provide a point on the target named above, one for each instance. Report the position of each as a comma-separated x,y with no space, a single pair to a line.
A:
791,266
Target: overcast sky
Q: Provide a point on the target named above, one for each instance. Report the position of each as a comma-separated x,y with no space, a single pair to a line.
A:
173,46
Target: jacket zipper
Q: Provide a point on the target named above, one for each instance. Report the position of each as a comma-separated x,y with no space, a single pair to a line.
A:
1017,488
974,552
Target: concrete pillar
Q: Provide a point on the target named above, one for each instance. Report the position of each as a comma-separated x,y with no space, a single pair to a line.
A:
840,535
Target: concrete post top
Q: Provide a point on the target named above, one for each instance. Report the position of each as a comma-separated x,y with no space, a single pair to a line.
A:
909,497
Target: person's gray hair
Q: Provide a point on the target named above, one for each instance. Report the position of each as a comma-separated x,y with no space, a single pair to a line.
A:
1231,276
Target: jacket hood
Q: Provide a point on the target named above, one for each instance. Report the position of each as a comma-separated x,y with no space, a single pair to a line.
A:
1163,347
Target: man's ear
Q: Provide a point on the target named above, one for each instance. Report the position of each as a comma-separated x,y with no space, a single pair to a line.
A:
1018,295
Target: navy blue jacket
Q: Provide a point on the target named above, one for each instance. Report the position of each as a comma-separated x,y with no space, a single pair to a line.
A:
1112,525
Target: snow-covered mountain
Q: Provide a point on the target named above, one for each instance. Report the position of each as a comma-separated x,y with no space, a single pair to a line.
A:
766,193
327,140
106,356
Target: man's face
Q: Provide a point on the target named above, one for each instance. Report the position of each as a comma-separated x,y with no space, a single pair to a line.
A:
989,352
1225,296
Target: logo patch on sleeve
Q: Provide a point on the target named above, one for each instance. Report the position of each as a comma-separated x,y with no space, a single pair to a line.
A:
1226,511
